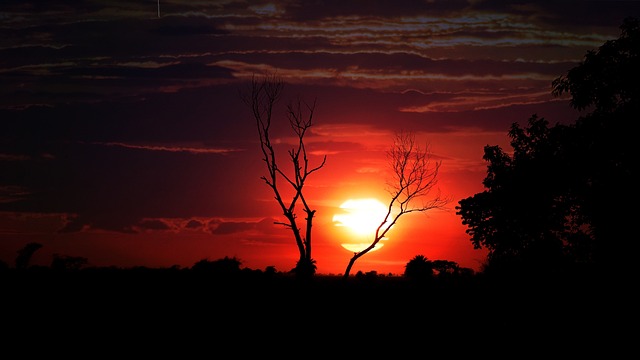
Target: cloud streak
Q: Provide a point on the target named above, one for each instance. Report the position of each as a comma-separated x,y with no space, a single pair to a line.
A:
191,150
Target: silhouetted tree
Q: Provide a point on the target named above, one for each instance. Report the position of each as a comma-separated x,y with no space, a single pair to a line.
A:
607,79
25,254
65,262
414,176
607,82
261,98
419,268
522,217
561,199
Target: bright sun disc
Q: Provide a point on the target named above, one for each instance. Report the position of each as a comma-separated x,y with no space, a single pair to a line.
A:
361,216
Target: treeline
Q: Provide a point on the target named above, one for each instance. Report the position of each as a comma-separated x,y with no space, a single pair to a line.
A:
418,268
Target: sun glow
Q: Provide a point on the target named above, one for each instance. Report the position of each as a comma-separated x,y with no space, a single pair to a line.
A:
361,218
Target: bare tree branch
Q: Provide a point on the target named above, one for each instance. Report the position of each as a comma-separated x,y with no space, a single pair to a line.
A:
261,99
413,175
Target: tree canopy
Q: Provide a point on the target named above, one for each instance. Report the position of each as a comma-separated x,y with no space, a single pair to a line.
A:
561,199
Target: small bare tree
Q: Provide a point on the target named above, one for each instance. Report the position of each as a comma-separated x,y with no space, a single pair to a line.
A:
261,98
414,175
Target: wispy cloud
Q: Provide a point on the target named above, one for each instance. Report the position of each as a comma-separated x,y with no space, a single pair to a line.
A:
472,102
192,150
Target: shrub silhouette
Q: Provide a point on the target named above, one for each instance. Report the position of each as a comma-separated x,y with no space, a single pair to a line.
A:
67,263
25,254
419,268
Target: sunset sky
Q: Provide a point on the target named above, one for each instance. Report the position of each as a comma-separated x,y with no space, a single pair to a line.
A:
124,139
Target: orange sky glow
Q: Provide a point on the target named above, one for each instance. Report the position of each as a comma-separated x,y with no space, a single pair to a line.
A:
125,140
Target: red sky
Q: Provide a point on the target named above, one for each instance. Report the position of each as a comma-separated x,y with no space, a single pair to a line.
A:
124,139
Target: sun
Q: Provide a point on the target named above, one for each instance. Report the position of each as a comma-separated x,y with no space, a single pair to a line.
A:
361,217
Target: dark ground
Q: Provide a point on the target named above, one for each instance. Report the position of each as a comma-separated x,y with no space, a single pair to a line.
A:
110,311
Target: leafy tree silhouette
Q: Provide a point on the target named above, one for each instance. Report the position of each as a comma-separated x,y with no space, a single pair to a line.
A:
25,254
521,216
608,83
419,268
261,97
607,79
560,200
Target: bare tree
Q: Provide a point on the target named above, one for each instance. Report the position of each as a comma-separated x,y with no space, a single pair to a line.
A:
414,175
261,98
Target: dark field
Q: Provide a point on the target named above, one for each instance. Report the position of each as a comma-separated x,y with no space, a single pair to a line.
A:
175,308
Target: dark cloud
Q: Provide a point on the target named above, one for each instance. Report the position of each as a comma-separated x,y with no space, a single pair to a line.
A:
187,27
153,224
386,8
225,228
133,75
218,227
399,63
206,115
74,224
194,225
339,105
599,13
